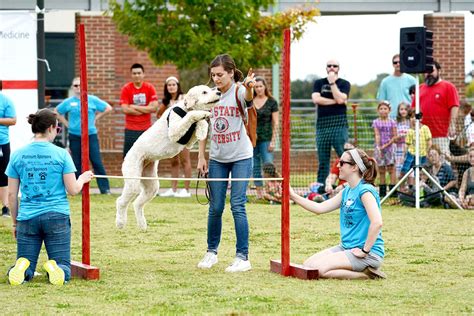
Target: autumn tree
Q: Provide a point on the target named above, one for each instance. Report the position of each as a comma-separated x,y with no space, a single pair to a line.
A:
190,33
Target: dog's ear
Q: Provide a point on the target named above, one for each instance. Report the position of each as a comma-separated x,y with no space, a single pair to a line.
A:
189,101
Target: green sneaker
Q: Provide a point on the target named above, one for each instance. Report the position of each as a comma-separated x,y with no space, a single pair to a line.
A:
55,273
16,275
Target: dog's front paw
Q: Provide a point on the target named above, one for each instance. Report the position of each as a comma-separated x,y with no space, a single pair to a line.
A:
200,115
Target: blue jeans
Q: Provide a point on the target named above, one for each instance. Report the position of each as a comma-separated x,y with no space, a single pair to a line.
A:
55,230
261,155
94,157
331,131
238,198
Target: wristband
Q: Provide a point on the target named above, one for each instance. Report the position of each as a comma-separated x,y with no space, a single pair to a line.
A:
363,250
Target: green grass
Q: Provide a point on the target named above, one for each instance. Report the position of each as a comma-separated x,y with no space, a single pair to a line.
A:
429,262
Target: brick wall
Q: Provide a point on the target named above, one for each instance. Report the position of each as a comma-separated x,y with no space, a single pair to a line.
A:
448,46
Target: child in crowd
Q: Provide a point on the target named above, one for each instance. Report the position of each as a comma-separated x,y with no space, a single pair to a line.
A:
443,174
273,190
425,143
466,191
403,125
385,130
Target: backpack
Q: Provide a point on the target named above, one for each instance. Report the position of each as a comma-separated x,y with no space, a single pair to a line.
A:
250,122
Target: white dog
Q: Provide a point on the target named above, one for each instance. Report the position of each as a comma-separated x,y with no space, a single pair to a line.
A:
161,141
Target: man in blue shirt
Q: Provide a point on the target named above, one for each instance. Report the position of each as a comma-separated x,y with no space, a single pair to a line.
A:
395,88
96,109
7,118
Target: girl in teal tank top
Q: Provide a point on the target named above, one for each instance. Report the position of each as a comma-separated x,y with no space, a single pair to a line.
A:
361,251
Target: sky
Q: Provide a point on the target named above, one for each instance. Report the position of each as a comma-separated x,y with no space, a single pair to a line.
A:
363,44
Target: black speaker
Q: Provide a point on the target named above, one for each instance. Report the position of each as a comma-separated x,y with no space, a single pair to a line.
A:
416,50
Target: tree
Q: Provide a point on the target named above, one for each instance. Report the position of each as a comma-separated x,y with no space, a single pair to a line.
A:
190,33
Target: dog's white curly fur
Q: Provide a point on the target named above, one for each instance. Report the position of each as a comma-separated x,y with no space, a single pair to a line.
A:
160,142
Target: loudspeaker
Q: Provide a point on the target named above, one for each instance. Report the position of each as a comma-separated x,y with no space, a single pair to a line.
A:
416,50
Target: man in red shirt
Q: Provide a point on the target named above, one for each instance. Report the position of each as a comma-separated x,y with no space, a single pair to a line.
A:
439,103
138,100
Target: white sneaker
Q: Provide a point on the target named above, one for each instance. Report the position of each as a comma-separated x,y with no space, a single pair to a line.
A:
208,261
169,193
239,265
183,193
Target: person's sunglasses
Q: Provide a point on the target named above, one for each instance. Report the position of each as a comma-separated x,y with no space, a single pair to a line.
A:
395,62
342,162
76,85
58,129
332,66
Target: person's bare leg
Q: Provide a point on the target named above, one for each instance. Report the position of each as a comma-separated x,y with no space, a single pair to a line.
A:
174,172
393,174
333,265
185,158
4,195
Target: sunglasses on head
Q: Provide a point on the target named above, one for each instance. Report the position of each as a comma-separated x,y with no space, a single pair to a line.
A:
332,66
342,162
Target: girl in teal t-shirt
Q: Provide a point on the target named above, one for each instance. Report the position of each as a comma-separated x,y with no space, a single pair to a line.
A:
361,251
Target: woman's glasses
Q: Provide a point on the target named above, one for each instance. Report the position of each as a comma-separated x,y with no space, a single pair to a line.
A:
342,162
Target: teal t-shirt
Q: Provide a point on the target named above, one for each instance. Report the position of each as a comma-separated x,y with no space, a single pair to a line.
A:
6,111
40,167
72,106
396,90
354,221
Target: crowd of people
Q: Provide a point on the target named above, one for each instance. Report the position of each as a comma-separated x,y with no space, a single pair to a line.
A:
441,127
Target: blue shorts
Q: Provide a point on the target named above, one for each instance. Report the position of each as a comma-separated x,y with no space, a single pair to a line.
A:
410,162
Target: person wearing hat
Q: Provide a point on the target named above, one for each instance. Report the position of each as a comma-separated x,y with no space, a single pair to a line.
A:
172,93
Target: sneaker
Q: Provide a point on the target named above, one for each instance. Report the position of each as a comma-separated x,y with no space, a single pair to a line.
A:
239,265
169,193
16,275
208,261
374,273
5,211
183,193
55,273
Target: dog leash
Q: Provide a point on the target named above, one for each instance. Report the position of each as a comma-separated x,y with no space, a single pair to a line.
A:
207,190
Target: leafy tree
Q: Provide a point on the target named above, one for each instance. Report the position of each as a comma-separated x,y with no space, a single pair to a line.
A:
470,90
190,33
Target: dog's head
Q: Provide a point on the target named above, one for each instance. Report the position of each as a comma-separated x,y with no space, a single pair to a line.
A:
201,98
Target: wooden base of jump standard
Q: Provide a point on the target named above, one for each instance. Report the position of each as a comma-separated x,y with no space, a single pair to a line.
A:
296,270
84,271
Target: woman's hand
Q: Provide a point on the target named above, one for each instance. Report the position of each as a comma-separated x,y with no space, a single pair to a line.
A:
249,81
86,177
358,253
202,166
292,193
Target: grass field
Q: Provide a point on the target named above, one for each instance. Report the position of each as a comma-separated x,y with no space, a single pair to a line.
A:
429,263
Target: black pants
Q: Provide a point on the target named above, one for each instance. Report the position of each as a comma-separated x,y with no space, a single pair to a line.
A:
129,139
4,160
